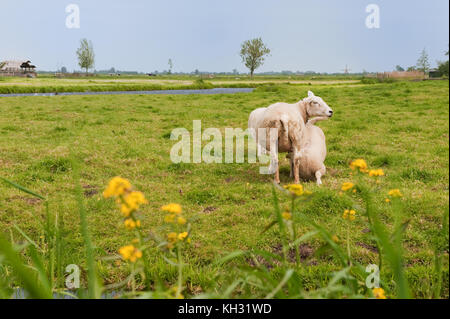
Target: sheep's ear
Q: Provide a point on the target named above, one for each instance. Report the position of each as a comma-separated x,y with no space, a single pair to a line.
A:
310,94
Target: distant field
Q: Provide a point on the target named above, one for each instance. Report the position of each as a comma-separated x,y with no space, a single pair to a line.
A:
46,83
402,127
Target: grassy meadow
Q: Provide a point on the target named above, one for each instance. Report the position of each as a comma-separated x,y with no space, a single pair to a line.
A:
401,127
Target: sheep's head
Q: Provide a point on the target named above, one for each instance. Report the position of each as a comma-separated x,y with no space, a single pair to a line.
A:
315,106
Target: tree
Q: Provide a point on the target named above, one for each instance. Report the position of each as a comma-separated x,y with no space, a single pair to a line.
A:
253,53
398,68
63,69
86,56
170,66
443,66
411,69
423,63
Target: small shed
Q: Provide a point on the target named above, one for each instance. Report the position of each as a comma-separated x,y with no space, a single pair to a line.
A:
17,68
434,73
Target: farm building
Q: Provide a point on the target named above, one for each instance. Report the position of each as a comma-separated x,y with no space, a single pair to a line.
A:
434,73
17,68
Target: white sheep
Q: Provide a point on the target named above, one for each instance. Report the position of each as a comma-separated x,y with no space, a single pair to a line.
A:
313,152
289,120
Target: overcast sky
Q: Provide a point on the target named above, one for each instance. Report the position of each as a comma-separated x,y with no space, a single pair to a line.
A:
141,35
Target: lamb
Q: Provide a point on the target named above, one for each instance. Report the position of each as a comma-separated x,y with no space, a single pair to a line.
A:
313,152
289,120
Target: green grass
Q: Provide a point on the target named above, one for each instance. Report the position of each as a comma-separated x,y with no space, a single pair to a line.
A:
401,127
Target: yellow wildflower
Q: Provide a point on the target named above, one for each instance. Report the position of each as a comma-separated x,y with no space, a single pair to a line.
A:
395,193
387,200
286,215
130,253
182,236
172,208
376,172
131,202
347,186
335,238
172,237
295,189
378,293
181,220
116,187
175,294
349,214
169,218
130,223
359,164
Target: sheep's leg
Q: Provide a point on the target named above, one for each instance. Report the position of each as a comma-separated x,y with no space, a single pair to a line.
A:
277,175
291,161
274,165
272,137
297,171
319,175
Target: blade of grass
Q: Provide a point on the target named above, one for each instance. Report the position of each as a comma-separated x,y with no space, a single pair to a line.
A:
94,288
23,273
23,189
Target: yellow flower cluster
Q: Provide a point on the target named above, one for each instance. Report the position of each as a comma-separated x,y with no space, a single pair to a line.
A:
173,237
347,186
359,164
395,193
130,253
376,172
335,239
174,215
295,189
172,208
132,224
379,293
349,214
286,215
116,187
131,202
120,188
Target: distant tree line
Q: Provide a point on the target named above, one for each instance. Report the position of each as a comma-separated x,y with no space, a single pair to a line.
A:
423,64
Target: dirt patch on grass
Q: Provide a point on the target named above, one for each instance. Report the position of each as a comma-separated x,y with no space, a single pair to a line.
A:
28,200
367,246
305,251
259,260
89,190
209,209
